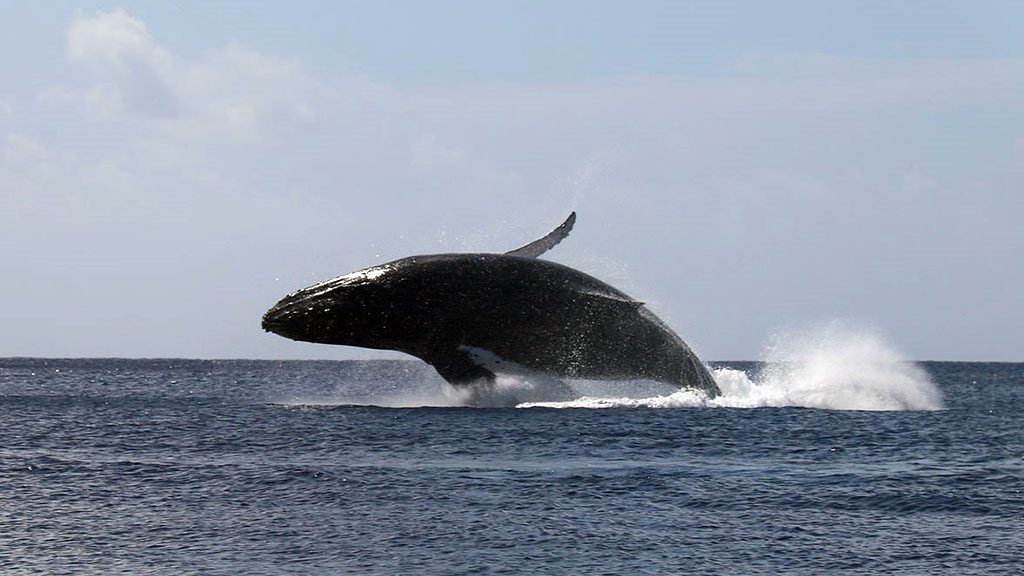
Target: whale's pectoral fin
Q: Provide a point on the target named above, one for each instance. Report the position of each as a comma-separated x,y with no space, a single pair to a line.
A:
542,245
459,369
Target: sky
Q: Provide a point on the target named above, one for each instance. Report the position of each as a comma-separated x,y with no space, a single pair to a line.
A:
168,170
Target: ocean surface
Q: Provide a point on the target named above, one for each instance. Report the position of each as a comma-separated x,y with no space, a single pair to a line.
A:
854,463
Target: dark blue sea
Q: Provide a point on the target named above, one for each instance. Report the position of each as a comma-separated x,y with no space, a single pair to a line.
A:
374,467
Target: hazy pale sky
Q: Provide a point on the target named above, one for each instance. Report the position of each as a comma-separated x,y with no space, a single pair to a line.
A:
168,170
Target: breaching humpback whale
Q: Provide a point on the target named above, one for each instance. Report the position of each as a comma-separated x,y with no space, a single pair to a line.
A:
455,310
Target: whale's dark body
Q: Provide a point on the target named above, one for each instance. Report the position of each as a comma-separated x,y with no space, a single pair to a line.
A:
449,309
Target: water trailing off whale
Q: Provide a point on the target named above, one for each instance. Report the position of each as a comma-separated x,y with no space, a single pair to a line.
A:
469,315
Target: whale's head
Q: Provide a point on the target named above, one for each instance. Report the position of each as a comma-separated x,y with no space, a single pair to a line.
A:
344,310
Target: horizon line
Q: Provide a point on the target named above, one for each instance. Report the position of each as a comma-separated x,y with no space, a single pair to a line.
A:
411,359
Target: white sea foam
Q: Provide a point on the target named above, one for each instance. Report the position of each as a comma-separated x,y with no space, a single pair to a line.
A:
832,367
513,390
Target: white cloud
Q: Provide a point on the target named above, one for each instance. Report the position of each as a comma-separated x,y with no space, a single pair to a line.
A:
811,181
22,149
129,70
242,92
113,38
230,92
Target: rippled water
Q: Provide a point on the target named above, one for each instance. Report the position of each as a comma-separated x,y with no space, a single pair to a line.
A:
258,467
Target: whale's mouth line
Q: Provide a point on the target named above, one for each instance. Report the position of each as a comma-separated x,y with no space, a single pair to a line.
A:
272,320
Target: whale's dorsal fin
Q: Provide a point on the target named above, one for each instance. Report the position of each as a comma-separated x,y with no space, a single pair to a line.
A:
542,245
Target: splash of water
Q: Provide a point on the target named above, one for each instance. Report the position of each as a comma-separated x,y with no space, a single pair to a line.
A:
832,367
841,368
513,390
